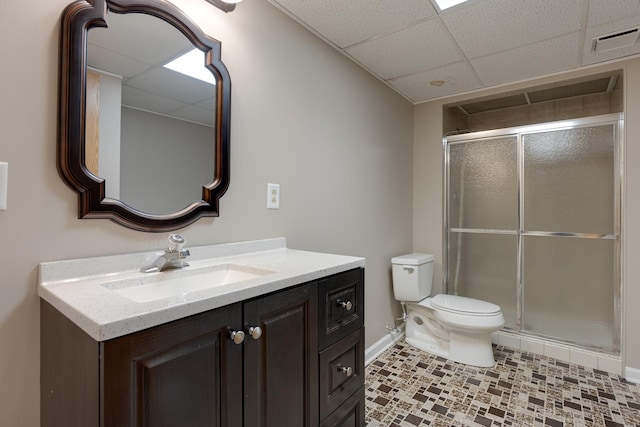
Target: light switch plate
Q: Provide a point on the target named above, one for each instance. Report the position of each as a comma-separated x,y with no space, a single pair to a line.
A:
4,177
273,196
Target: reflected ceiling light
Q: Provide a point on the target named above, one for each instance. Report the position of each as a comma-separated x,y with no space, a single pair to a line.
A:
445,4
192,65
224,5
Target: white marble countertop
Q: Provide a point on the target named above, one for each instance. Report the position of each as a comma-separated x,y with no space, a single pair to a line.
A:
77,287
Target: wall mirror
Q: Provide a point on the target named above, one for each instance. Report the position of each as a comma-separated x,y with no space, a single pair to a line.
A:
142,141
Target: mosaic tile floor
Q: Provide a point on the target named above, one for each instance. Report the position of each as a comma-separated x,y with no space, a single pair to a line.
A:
406,387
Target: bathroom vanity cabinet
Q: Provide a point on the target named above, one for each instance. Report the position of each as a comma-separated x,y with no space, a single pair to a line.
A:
304,367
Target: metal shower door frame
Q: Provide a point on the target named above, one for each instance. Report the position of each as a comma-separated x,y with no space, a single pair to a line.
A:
617,121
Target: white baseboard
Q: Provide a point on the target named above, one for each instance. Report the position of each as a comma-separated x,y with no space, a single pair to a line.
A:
371,353
632,375
381,345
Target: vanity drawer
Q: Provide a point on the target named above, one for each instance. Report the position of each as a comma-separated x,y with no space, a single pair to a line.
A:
341,371
341,306
349,414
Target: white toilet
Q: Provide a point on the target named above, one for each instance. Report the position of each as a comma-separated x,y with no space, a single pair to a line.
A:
456,328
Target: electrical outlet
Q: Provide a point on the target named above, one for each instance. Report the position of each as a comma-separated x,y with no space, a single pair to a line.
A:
273,196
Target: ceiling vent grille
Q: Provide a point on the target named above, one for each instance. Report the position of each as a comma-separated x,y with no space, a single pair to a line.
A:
615,40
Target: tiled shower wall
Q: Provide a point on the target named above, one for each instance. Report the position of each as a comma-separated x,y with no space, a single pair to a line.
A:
558,351
562,109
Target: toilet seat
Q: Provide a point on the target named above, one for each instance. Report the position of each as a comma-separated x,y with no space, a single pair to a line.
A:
464,306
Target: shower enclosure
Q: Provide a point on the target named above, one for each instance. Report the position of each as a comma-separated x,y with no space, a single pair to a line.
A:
532,223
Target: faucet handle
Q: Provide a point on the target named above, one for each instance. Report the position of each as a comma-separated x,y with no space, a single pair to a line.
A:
176,242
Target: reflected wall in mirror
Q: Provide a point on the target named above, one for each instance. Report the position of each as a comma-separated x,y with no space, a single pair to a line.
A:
142,144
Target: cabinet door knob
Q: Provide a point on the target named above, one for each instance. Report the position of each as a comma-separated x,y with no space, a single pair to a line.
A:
236,336
345,304
347,370
255,332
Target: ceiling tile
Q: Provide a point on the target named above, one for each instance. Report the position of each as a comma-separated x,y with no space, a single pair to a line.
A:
488,27
457,78
348,22
113,62
406,44
589,57
604,11
173,85
530,61
208,104
195,114
147,101
136,35
412,50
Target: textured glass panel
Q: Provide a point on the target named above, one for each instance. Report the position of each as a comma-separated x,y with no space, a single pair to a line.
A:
569,289
483,184
484,266
569,180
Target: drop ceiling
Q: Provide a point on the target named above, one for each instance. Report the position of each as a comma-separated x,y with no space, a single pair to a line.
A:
424,53
146,84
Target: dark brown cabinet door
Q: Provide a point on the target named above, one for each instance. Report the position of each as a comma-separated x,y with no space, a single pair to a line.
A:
349,414
281,366
184,373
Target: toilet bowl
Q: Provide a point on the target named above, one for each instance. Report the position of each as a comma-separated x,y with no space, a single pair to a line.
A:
453,327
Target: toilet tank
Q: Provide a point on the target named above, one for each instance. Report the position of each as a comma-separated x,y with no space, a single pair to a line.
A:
412,276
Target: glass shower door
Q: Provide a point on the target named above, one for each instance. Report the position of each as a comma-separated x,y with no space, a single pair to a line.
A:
569,235
483,221
532,223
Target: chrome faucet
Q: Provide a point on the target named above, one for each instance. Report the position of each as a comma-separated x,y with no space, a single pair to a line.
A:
174,256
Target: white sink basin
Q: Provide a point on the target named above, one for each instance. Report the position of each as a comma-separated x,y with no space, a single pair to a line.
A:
148,287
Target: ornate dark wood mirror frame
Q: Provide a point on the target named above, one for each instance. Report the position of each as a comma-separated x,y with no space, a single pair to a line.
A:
78,18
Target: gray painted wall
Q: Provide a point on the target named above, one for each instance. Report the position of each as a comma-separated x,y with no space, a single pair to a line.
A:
338,142
110,122
164,161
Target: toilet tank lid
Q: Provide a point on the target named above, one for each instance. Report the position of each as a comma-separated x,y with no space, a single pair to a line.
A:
412,259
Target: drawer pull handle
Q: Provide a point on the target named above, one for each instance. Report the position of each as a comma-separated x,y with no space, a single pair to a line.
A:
345,304
236,336
347,370
255,332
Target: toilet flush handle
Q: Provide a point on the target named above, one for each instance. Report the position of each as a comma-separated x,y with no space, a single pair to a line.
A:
409,269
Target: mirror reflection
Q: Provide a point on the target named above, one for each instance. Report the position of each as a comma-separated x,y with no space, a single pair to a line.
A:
150,130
